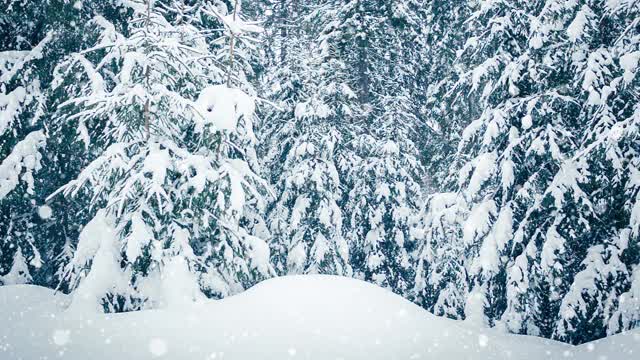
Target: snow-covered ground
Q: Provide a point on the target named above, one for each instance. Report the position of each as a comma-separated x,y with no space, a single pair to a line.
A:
297,317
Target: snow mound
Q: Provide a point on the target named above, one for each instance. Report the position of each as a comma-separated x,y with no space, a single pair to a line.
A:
306,317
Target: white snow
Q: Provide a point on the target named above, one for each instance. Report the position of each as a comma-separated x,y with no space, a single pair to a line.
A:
576,28
139,237
527,121
308,317
61,337
488,260
23,160
484,165
483,340
11,62
157,347
238,27
258,253
479,221
19,273
96,246
179,286
629,63
10,106
45,212
223,107
474,311
298,211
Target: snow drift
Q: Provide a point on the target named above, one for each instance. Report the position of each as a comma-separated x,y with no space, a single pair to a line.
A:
305,317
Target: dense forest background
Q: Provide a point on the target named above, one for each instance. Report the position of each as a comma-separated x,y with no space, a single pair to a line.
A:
480,158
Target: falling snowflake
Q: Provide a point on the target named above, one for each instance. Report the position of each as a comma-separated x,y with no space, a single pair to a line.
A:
45,212
483,340
157,347
61,337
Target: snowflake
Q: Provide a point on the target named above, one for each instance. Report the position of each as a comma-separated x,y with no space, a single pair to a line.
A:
157,347
61,337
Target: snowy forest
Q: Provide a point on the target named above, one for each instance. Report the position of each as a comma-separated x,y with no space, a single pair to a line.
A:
480,158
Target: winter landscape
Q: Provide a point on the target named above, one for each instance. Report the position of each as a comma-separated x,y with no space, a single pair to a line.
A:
320,179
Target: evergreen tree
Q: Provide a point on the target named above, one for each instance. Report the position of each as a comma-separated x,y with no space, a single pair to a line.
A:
306,149
29,51
441,282
539,243
171,173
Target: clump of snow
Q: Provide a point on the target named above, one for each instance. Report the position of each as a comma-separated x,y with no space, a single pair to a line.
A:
179,285
156,163
296,258
299,209
536,41
11,62
597,65
236,25
527,121
391,148
479,221
10,105
552,248
223,107
20,164
258,253
305,148
627,313
483,165
97,246
139,237
310,109
500,234
474,310
629,63
576,28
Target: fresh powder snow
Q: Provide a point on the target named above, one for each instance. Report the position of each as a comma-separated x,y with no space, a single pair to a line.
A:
308,317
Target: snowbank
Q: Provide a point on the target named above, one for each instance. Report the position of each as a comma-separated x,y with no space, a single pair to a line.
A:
305,317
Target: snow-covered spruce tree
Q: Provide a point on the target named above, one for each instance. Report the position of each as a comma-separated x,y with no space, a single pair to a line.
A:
305,150
383,197
284,30
531,181
372,40
382,203
490,74
31,49
171,178
385,185
441,278
605,55
22,139
441,105
528,197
